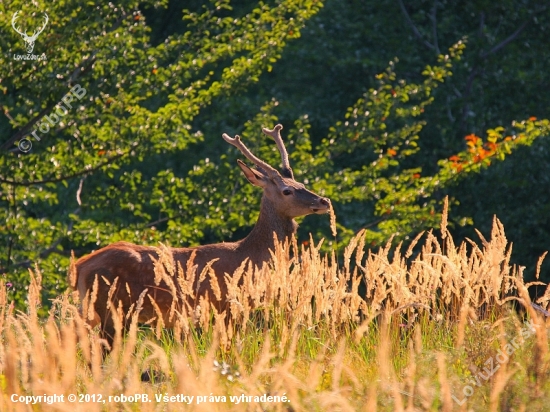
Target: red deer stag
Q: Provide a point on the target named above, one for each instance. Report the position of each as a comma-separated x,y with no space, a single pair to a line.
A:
283,200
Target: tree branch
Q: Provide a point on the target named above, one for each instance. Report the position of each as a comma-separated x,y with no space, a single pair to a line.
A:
433,18
475,69
449,112
481,24
59,179
374,222
507,40
7,113
414,29
8,258
82,67
45,253
28,263
466,95
79,191
25,130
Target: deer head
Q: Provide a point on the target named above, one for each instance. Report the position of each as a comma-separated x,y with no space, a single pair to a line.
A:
29,40
288,197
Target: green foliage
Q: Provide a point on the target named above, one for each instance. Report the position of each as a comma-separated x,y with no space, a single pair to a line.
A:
104,171
139,157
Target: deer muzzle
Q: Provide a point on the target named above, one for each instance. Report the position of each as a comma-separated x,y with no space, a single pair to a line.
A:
321,206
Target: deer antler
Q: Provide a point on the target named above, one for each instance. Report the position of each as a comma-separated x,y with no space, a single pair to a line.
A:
13,19
236,141
276,135
35,35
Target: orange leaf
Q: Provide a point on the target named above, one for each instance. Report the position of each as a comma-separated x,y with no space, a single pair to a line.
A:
492,146
471,138
457,166
532,118
392,152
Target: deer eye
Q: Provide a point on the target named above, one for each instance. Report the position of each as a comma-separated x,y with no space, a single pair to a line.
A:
287,192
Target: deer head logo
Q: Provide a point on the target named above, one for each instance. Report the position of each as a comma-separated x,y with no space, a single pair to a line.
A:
29,40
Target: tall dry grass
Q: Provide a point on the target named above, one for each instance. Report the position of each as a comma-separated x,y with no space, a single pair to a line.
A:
396,329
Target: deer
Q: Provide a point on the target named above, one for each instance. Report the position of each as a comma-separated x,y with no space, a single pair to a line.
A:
29,40
122,272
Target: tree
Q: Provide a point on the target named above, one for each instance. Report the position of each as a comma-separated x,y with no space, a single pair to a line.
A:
138,155
107,113
497,81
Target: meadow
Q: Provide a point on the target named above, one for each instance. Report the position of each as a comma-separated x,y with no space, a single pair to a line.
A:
424,326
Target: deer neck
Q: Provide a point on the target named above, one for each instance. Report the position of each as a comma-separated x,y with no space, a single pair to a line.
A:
269,223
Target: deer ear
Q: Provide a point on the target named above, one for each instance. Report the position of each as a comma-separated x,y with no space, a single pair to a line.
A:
254,176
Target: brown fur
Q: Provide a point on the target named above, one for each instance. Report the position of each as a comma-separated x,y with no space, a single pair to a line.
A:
132,266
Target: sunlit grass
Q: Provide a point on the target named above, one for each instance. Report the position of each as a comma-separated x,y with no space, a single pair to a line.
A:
419,338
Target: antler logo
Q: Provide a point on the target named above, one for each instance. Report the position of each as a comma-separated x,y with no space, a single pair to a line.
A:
29,40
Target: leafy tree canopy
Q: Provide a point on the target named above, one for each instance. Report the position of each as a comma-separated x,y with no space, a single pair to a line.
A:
125,115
